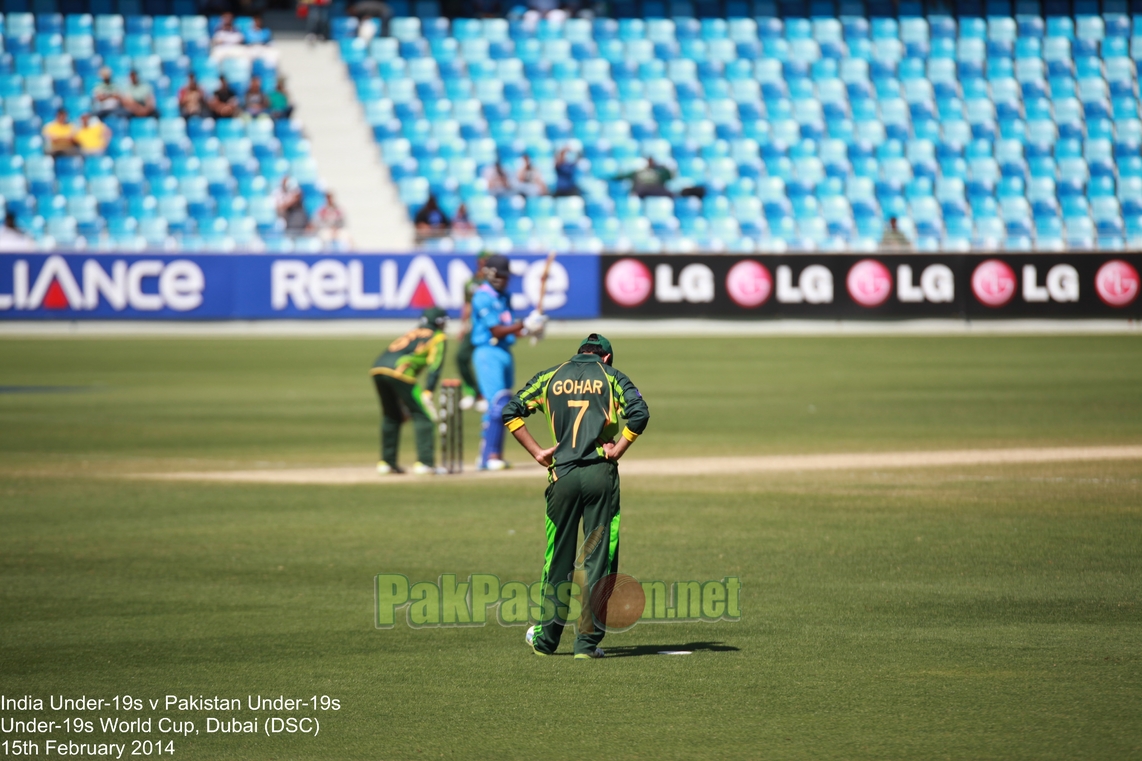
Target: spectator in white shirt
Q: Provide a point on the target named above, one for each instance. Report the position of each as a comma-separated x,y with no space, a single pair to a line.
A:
11,239
229,42
330,224
227,35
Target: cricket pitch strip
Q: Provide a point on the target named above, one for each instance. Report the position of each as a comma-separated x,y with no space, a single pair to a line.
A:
690,466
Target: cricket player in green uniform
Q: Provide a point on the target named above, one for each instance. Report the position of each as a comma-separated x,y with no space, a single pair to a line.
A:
395,374
471,388
583,399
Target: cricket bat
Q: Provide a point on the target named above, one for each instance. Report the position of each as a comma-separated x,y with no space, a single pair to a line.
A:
543,288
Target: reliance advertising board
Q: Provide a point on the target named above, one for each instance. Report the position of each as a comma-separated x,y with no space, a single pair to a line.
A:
877,287
260,287
257,287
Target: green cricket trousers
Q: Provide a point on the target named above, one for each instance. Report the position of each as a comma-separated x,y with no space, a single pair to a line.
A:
590,494
464,365
397,396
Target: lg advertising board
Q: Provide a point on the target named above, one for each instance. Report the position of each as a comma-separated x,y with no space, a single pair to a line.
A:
906,286
259,287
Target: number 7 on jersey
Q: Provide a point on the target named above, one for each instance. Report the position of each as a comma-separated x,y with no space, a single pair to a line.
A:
582,405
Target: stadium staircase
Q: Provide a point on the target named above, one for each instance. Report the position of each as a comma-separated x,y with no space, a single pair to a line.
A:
343,146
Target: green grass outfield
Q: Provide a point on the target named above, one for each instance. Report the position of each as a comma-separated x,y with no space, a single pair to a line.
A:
958,612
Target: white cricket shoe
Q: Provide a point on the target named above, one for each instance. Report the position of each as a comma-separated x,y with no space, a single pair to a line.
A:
529,638
420,469
384,469
498,465
482,405
467,402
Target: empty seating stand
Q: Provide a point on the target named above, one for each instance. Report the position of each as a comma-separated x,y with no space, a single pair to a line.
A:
1016,132
166,182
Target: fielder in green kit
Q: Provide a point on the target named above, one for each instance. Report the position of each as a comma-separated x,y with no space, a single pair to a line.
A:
583,399
395,373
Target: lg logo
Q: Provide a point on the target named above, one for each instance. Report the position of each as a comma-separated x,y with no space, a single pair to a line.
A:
1117,283
814,285
695,284
629,283
937,285
1062,284
993,283
870,284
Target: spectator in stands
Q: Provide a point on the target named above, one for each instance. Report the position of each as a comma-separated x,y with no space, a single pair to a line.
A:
229,42
530,181
11,239
105,96
258,43
550,9
93,136
226,35
285,195
257,102
191,99
431,221
566,164
138,98
224,103
280,107
258,34
375,16
316,14
461,225
893,239
59,136
295,216
650,180
499,181
368,28
330,222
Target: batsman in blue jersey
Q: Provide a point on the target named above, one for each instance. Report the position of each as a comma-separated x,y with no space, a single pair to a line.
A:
493,333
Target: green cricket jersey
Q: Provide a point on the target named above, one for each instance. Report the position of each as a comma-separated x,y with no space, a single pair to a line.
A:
583,400
470,288
417,350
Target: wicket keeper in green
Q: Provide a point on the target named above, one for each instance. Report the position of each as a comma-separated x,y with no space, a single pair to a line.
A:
395,374
583,399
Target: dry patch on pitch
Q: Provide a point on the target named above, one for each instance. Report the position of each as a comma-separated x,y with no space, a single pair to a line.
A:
690,466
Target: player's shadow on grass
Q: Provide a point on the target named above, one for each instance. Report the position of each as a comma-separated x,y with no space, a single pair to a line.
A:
627,651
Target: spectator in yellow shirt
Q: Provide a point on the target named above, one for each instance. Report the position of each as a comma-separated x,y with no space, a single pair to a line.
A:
93,136
59,135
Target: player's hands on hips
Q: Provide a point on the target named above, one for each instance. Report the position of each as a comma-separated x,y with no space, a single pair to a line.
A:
543,456
615,450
